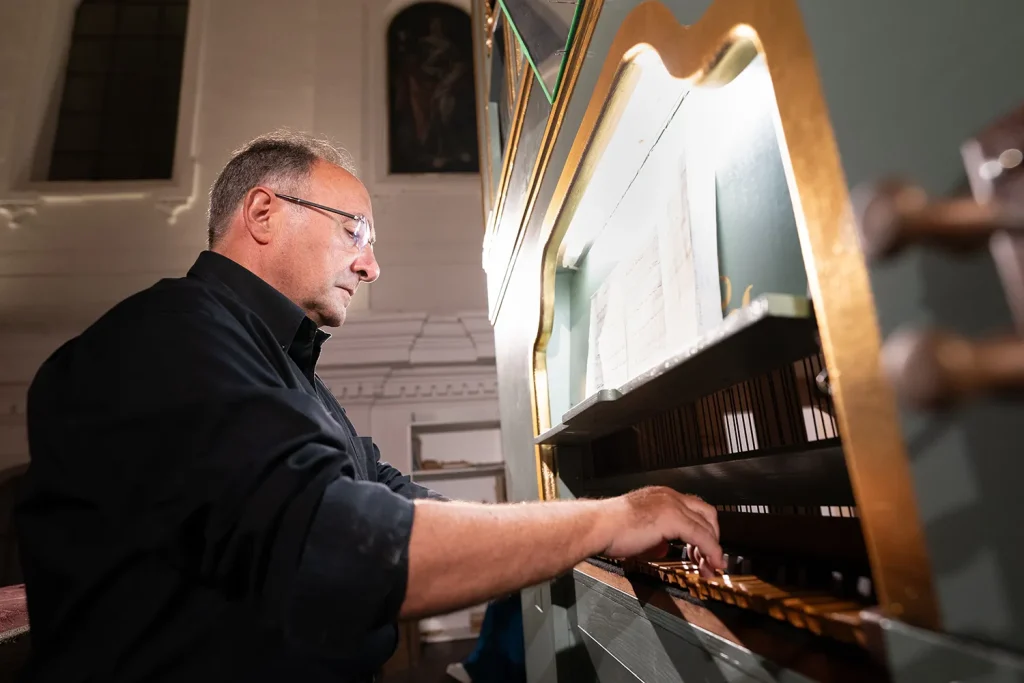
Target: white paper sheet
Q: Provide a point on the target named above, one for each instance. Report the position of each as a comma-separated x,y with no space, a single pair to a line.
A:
641,277
664,293
607,360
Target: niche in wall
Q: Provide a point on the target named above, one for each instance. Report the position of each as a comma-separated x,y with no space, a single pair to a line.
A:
431,93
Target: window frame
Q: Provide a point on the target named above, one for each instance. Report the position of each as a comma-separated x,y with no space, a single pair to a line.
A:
36,124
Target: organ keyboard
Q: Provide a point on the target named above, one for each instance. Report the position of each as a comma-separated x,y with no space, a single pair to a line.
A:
697,280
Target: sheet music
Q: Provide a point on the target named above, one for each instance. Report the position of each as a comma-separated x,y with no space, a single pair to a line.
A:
698,178
641,276
659,300
598,313
608,359
681,314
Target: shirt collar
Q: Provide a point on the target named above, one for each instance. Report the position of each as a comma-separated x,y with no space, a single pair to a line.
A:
291,327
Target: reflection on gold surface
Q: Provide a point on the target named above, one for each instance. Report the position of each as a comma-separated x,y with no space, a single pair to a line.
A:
510,154
712,52
511,72
483,20
577,52
573,63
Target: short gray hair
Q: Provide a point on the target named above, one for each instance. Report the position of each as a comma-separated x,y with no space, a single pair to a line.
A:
283,157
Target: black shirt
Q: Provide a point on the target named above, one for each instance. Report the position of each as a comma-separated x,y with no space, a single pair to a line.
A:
198,506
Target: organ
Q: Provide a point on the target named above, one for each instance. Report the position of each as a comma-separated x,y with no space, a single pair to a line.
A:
768,253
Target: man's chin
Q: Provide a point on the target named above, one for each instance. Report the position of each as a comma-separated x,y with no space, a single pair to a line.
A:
334,318
335,315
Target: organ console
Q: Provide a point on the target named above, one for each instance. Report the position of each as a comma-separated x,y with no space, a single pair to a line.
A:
731,249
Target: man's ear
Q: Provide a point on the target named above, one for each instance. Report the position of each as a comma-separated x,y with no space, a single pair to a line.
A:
258,208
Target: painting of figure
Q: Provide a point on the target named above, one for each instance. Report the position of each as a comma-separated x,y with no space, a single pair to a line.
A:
430,82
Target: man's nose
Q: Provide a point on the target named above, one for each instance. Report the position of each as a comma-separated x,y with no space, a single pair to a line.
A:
366,265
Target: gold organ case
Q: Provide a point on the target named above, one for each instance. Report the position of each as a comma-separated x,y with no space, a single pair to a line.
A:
702,274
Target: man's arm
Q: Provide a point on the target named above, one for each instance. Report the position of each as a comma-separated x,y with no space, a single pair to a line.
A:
396,481
462,554
403,485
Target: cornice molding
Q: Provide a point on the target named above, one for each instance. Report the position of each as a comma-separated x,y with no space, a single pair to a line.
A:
443,383
410,339
16,211
362,386
392,357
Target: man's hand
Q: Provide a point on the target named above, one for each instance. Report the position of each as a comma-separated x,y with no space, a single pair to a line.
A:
462,554
641,523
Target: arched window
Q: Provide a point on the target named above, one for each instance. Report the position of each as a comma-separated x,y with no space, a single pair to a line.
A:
118,112
432,106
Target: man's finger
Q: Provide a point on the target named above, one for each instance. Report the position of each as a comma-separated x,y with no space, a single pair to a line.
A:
697,533
705,510
698,518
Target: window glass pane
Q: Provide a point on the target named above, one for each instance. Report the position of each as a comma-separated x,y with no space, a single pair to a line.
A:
83,93
135,54
78,133
142,20
90,55
174,21
95,19
118,114
71,166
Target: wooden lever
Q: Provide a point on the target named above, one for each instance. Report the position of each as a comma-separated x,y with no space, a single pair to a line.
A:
895,214
934,370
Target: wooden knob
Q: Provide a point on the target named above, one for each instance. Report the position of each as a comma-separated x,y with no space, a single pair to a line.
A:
932,370
894,214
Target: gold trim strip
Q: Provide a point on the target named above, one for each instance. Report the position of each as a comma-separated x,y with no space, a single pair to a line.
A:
712,51
512,75
574,62
509,159
539,399
482,81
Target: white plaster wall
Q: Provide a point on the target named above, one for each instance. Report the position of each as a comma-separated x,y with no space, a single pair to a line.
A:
70,251
251,66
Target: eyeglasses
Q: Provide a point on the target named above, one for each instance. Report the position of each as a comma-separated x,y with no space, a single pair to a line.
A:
361,236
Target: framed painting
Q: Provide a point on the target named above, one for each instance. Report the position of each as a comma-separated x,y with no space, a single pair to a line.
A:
432,105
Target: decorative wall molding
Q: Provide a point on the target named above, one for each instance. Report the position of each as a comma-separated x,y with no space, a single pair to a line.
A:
410,338
15,211
172,207
373,357
442,383
356,386
362,386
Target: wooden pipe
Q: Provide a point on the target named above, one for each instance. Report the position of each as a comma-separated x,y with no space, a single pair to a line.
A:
931,369
894,214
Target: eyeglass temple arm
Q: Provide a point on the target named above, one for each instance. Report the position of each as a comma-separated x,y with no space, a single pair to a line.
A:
306,202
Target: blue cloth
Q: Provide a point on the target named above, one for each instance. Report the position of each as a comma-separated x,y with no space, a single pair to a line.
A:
500,654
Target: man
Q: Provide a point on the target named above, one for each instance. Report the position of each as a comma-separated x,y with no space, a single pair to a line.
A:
198,506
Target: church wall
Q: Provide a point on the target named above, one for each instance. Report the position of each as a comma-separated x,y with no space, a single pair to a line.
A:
69,251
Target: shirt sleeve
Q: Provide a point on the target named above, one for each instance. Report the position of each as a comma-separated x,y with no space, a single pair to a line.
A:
249,481
400,483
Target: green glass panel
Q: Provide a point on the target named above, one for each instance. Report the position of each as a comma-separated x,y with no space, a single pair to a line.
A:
545,29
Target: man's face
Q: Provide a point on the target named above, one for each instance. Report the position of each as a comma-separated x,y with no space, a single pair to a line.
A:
319,265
